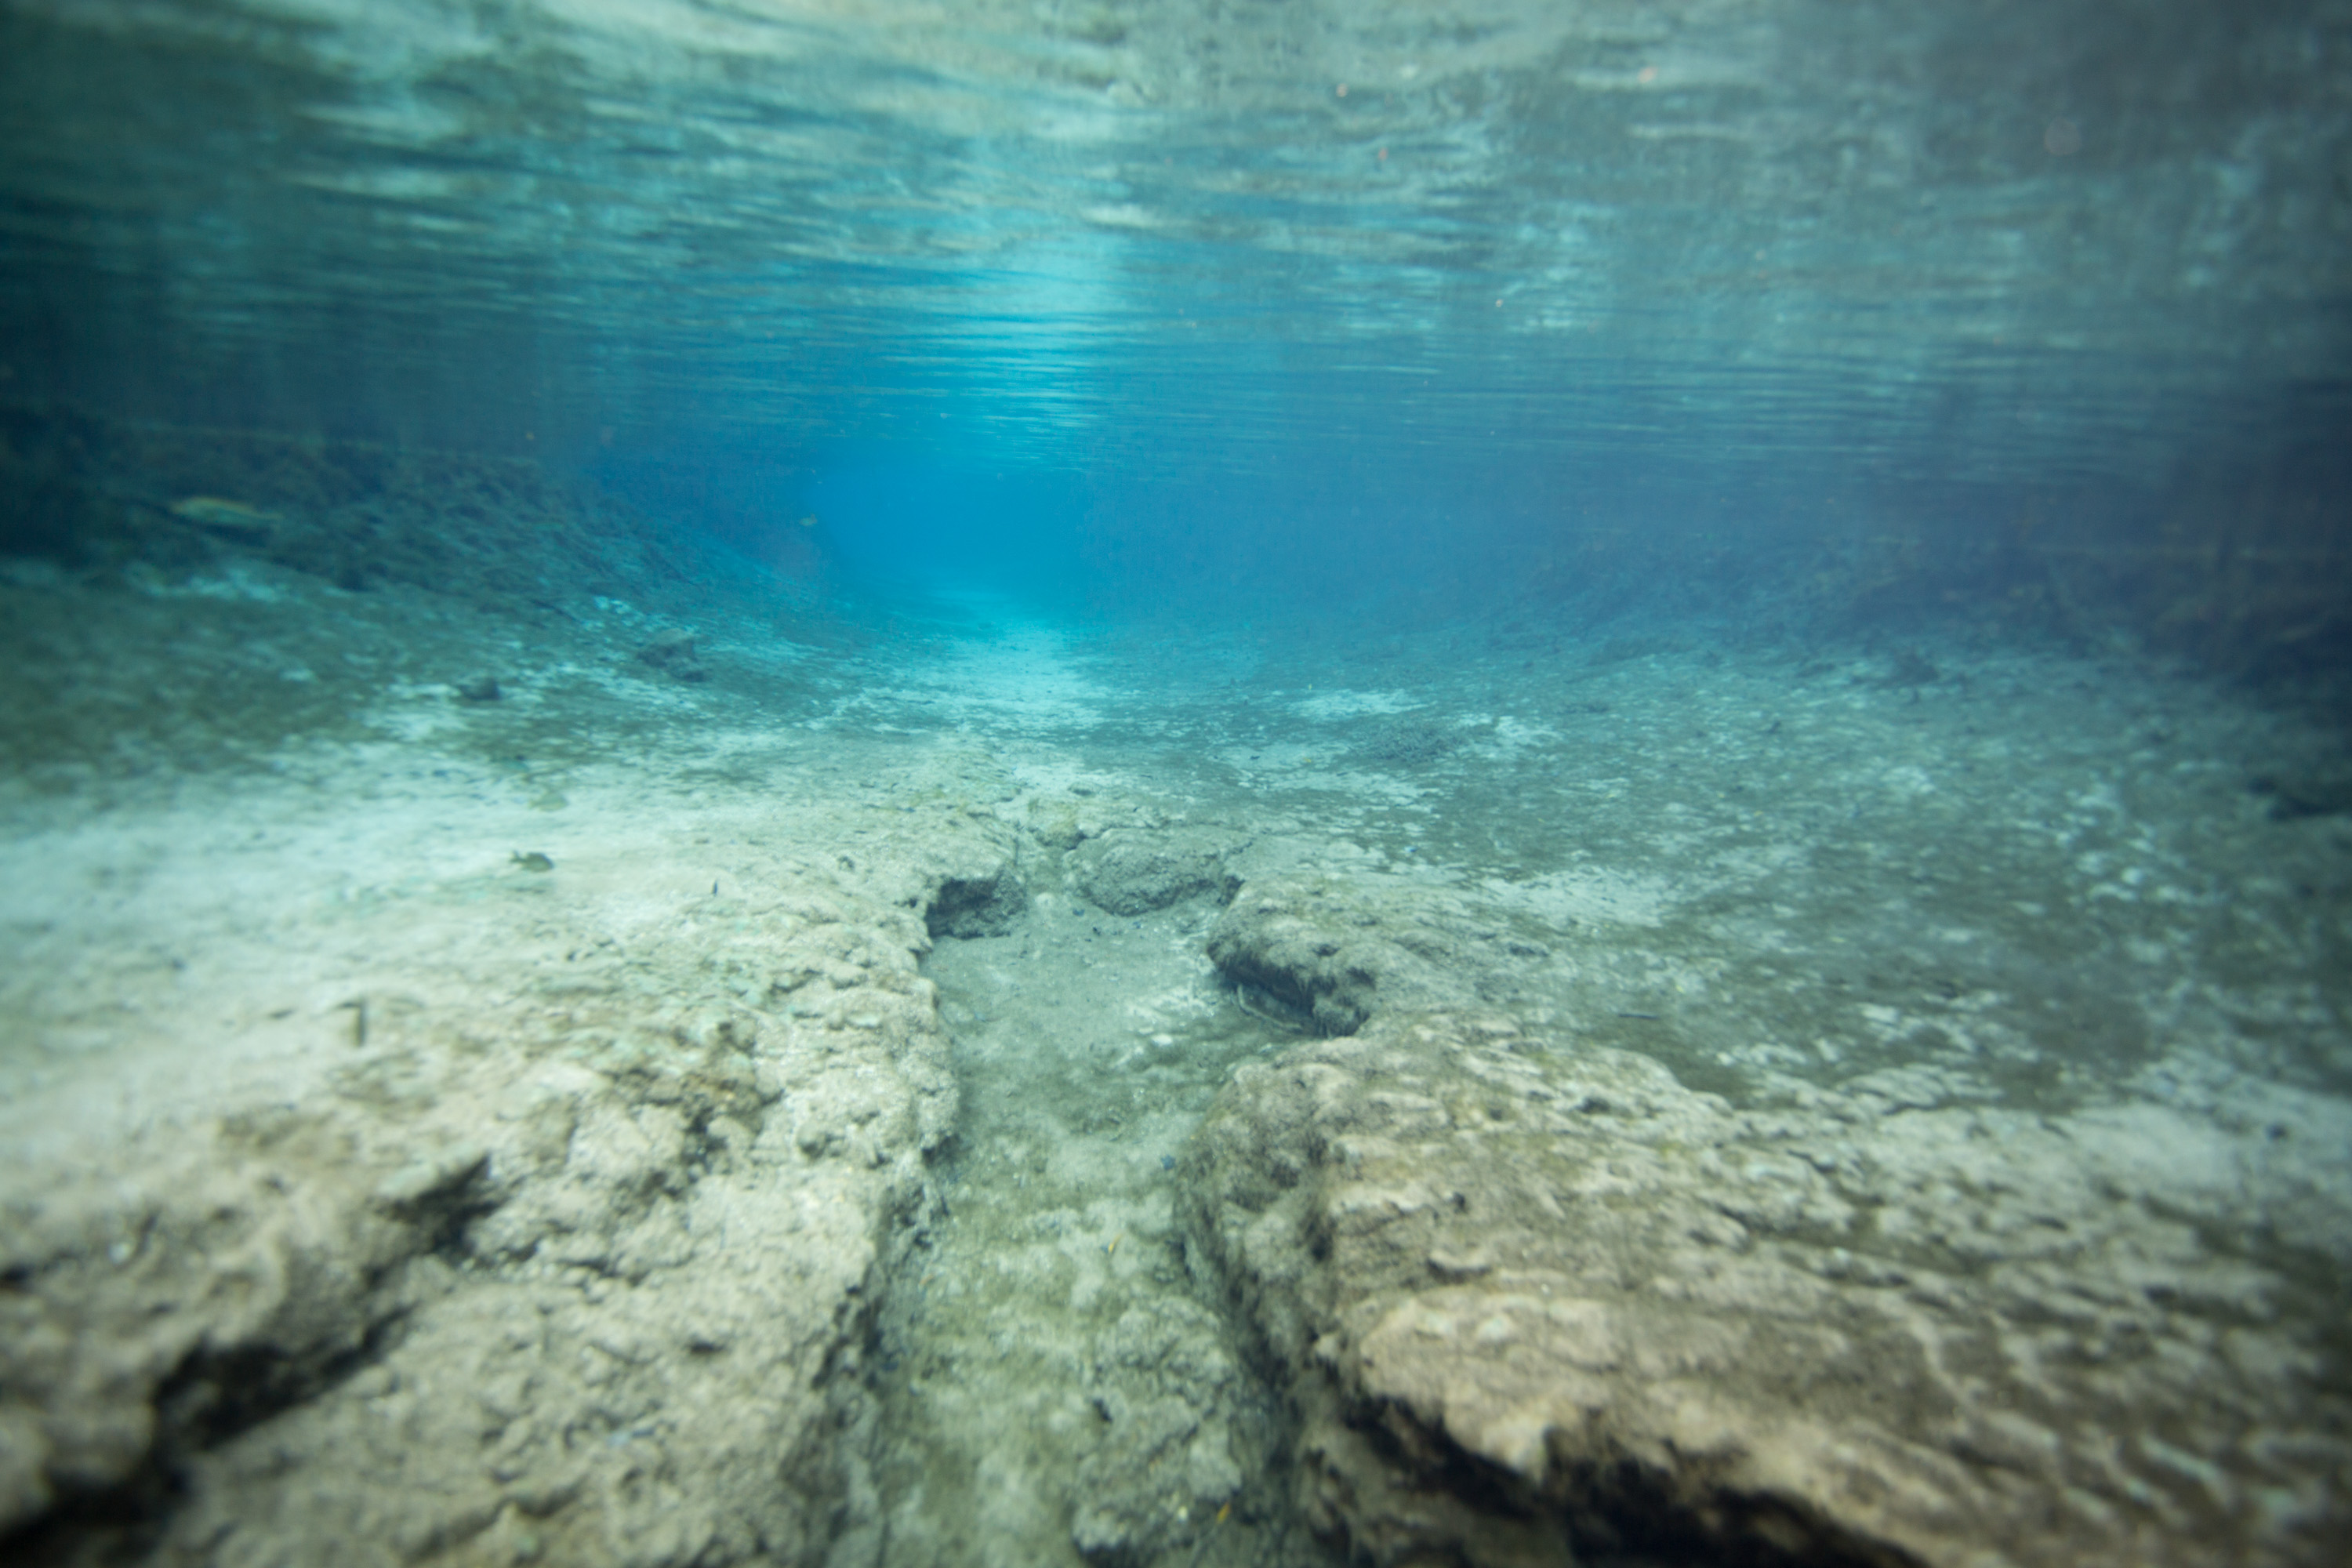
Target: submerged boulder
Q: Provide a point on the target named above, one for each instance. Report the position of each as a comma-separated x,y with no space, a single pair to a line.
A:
1335,950
1134,871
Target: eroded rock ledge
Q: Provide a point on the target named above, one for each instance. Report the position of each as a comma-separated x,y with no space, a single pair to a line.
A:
1337,952
580,1277
1532,1298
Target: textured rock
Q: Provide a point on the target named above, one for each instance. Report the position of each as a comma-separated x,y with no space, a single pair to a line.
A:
1336,950
673,653
584,1279
156,1308
1162,1385
1135,871
1536,1298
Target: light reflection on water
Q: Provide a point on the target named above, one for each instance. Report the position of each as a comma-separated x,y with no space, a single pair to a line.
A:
1112,232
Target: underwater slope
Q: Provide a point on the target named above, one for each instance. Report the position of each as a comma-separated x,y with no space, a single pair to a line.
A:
770,1085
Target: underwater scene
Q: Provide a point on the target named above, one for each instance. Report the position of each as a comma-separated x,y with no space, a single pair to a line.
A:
1175,783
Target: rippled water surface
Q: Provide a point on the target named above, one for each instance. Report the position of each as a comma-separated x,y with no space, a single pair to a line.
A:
1954,239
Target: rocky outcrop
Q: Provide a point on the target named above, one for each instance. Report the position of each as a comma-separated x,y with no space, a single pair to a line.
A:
1134,871
1533,1299
584,1278
1336,950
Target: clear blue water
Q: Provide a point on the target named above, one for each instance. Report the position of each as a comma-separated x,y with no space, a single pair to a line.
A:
1799,544
1201,299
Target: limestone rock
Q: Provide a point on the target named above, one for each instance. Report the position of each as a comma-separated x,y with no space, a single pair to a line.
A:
1336,950
1063,824
581,1280
1133,871
152,1310
981,899
959,864
1537,1299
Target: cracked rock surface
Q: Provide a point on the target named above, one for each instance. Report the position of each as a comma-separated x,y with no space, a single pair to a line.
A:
1534,1296
577,1268
1723,1104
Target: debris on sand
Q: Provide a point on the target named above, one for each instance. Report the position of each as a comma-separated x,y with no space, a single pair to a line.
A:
673,654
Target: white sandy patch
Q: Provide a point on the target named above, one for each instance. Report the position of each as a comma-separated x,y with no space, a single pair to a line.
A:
1019,676
1174,1005
239,581
217,950
1758,861
1601,897
1329,705
1511,736
1057,774
1361,788
1908,780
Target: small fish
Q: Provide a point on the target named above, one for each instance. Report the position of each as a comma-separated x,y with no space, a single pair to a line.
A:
532,860
227,516
1225,1511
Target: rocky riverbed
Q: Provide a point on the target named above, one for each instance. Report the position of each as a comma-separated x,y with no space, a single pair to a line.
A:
991,1096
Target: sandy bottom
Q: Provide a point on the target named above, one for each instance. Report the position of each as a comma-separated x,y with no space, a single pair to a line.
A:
2037,881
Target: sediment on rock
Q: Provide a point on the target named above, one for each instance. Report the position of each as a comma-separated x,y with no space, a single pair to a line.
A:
1340,951
1533,1298
1133,871
583,1278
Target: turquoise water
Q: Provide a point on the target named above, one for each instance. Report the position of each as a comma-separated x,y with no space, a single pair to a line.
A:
1175,783
1196,293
